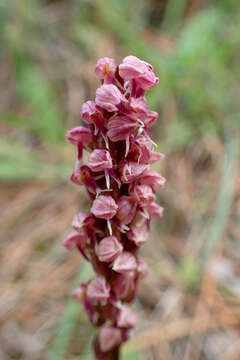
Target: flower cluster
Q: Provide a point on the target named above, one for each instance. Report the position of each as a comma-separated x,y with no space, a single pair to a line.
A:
121,187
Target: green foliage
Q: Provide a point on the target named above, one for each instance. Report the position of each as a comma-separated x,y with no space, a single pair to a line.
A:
20,163
46,119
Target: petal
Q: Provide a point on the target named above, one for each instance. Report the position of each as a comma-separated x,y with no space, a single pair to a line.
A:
154,210
126,209
138,232
79,135
132,171
120,127
104,207
131,67
88,110
108,249
98,289
108,96
81,221
99,160
126,317
124,286
153,179
144,194
140,71
125,262
109,338
105,69
71,240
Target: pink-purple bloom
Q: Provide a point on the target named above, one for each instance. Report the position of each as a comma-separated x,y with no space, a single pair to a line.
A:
121,188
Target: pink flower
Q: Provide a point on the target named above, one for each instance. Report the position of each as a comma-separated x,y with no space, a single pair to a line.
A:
72,239
124,263
120,127
126,209
131,68
105,69
139,230
88,110
108,96
139,106
98,289
82,176
108,249
124,286
153,179
132,171
79,135
154,210
81,221
155,156
144,194
140,71
109,338
99,160
104,207
126,317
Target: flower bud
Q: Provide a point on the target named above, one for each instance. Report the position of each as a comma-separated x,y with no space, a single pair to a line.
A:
105,69
104,207
108,97
108,249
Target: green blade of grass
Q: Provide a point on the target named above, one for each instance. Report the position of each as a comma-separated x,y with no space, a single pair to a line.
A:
225,196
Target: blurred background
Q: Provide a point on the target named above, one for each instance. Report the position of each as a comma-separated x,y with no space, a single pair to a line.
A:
188,307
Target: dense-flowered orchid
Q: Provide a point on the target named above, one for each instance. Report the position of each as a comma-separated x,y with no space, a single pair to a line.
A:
121,187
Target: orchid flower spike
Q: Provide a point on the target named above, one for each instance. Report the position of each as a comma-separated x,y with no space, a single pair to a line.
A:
121,188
